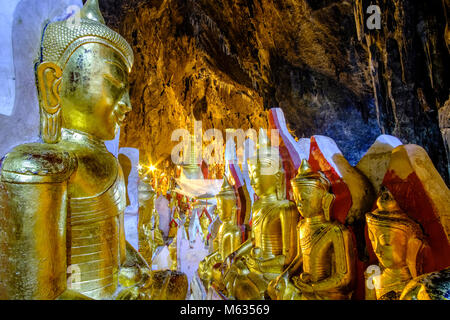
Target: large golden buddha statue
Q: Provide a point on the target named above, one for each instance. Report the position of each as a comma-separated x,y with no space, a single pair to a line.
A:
324,268
397,242
62,229
228,238
272,243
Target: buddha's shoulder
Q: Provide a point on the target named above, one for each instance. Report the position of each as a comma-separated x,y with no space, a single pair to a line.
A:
38,163
339,228
287,205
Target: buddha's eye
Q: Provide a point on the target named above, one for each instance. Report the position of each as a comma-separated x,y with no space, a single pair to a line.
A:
114,81
384,240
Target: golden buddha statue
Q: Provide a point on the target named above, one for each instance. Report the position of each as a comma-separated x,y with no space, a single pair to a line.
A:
228,238
272,243
64,234
149,235
187,222
205,222
174,223
324,268
397,242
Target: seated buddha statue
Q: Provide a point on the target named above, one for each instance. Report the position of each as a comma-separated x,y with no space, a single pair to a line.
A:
149,235
324,268
64,234
205,222
174,223
272,243
228,238
397,242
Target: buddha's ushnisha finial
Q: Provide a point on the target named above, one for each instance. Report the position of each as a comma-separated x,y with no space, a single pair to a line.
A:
305,168
91,11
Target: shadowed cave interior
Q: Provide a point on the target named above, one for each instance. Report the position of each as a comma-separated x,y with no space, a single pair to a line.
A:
226,62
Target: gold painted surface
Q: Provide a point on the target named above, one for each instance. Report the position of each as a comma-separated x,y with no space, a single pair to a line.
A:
397,242
324,268
149,235
272,243
228,238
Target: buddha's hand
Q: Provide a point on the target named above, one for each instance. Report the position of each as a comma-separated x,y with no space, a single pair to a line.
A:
252,263
303,282
131,293
278,286
228,262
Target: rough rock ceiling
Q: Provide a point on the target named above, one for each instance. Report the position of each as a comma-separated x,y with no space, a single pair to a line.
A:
229,61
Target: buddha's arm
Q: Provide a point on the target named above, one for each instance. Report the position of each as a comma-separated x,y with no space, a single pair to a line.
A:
344,261
236,240
215,244
243,250
289,220
33,261
281,283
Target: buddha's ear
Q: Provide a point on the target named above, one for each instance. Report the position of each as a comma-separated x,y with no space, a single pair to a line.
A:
49,80
48,76
412,253
327,201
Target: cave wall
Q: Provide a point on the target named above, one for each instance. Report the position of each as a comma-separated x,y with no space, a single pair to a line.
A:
227,62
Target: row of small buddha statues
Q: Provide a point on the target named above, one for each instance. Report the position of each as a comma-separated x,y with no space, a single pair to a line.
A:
295,251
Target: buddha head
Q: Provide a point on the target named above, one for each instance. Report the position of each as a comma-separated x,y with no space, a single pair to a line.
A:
82,77
396,239
226,201
311,192
266,169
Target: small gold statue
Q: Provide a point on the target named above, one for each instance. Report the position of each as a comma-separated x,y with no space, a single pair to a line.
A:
324,268
228,238
174,223
150,236
397,242
205,222
64,234
272,243
187,222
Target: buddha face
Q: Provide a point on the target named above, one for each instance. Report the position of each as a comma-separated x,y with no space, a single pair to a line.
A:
309,200
94,91
389,244
263,184
224,208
